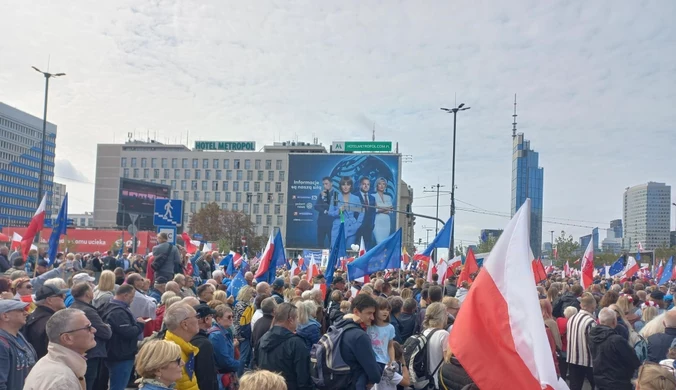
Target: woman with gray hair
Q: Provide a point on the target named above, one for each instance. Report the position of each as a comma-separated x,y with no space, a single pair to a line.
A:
434,330
308,327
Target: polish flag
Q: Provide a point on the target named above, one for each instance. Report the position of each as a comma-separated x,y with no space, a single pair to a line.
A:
442,268
500,319
631,268
587,266
237,259
266,258
362,251
470,267
658,276
295,267
312,272
566,269
454,263
640,247
431,270
16,242
34,228
191,246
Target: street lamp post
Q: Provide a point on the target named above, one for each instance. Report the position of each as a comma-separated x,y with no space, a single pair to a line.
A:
438,187
460,107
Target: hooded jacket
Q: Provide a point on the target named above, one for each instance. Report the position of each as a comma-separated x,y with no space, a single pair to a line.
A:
613,359
205,365
125,331
310,332
17,358
659,344
355,350
60,369
568,299
281,351
103,331
34,330
188,379
172,260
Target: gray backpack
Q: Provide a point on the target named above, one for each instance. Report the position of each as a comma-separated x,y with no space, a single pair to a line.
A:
327,366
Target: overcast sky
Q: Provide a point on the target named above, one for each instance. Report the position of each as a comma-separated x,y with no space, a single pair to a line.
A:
596,86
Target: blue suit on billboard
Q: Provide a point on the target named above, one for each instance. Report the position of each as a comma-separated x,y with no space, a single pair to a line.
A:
324,220
366,230
353,214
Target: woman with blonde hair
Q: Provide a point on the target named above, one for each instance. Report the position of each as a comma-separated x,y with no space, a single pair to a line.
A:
648,314
159,365
105,290
243,325
406,293
434,326
654,326
262,380
308,328
220,296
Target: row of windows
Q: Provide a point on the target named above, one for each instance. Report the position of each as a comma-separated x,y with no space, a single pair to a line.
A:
23,140
215,163
218,174
23,129
228,197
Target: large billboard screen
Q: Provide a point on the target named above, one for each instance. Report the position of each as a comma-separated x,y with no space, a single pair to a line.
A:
359,189
139,197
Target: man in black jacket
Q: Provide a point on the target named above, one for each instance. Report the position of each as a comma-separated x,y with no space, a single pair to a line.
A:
4,259
83,295
659,343
126,330
281,350
109,262
205,364
613,359
49,299
568,299
324,220
263,324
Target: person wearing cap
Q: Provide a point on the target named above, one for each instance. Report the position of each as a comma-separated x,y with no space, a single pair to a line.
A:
278,290
70,335
17,356
205,366
158,288
78,278
49,299
83,293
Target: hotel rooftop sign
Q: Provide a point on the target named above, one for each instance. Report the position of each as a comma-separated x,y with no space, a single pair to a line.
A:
225,145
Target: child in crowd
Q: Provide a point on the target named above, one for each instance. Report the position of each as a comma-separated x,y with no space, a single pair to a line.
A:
396,373
382,333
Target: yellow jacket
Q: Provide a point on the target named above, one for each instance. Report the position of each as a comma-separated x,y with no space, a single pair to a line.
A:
188,353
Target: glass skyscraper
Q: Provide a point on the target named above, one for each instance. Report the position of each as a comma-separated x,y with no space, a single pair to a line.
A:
527,182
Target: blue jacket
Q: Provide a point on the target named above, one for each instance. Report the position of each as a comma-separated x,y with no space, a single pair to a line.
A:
155,294
224,350
69,299
16,360
310,332
362,360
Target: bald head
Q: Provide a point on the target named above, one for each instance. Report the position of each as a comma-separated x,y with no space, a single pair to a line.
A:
249,277
263,288
173,287
670,319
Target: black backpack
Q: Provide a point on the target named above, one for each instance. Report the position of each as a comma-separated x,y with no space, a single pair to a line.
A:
159,260
416,356
327,366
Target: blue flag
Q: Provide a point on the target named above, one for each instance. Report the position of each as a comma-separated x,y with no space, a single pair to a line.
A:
386,255
225,260
59,228
668,269
443,238
616,267
237,283
231,265
278,259
337,252
244,266
638,256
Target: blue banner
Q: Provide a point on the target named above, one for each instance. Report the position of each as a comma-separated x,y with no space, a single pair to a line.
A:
363,186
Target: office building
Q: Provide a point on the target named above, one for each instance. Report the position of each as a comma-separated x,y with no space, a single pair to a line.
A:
58,193
584,240
235,175
647,216
85,220
616,227
672,241
20,153
490,234
527,182
613,241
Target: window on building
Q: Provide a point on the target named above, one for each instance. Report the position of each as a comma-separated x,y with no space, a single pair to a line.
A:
259,198
245,208
196,196
184,184
193,185
174,163
125,172
144,162
267,186
256,208
146,173
271,175
266,209
133,162
278,164
257,164
195,163
166,174
246,186
184,163
165,163
123,162
224,206
228,175
238,196
193,207
205,163
236,164
259,218
217,196
153,162
259,175
235,207
186,195
247,164
278,209
235,186
278,187
279,220
282,176
270,197
226,164
198,174
227,196
214,186
257,186
268,220
215,162
177,173
186,174
280,198
240,175
225,186
207,196
207,174
266,231
268,164
163,181
173,184
219,175
249,175
174,195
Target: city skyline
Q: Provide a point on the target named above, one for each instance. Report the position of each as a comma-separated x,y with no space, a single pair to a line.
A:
222,73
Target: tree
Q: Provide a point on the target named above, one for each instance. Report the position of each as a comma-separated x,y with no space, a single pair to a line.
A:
486,246
68,246
566,248
225,226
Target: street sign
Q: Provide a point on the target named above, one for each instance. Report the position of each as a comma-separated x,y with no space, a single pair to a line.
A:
132,229
197,236
168,212
133,217
170,231
361,146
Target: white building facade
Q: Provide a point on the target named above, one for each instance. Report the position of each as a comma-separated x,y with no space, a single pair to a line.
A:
647,215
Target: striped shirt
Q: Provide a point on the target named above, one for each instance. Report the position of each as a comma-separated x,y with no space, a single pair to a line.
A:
578,328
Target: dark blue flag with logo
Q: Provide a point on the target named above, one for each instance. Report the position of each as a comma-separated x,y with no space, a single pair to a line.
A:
616,267
237,283
386,255
59,228
337,251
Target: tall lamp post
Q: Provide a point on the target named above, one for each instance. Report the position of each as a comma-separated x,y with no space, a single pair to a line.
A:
454,111
437,190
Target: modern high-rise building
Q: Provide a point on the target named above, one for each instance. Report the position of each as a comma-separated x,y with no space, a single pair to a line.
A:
647,215
487,234
20,153
58,193
584,240
616,227
527,182
613,241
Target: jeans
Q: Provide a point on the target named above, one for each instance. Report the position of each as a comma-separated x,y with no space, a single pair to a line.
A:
93,365
119,373
244,356
577,374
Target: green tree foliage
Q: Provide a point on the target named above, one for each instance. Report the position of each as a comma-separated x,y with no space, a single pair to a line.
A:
227,227
486,246
566,247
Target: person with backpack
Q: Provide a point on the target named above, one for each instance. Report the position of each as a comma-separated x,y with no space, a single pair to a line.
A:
244,310
382,333
350,366
424,352
613,359
281,350
165,257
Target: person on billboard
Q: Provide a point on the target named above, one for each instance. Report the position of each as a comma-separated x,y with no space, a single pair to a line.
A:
368,202
382,226
324,220
349,205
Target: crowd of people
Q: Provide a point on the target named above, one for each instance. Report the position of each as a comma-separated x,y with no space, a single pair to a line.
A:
92,321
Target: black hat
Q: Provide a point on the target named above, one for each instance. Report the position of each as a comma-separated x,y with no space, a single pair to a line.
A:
161,280
338,279
203,310
43,263
657,294
45,292
278,283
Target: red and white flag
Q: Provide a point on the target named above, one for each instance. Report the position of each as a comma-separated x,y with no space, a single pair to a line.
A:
34,227
191,246
312,271
453,264
566,269
587,266
362,251
266,257
236,259
16,241
640,247
470,267
631,268
500,319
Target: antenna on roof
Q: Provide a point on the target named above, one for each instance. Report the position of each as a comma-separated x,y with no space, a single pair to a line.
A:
514,122
373,135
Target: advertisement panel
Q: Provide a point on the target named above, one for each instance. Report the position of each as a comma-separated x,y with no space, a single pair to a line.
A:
139,197
359,189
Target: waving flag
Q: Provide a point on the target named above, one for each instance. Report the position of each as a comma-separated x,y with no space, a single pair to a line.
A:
587,266
237,283
337,252
660,270
191,246
61,224
538,271
405,258
442,240
667,272
502,298
34,227
386,255
616,267
272,257
631,268
470,267
313,270
226,260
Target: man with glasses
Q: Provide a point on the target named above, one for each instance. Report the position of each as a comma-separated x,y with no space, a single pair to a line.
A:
49,299
70,335
83,295
126,330
17,356
182,323
281,350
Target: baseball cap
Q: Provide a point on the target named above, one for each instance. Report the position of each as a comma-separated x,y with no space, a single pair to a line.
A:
45,292
657,294
161,280
12,304
279,282
82,277
204,310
